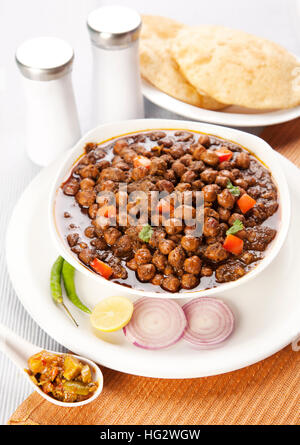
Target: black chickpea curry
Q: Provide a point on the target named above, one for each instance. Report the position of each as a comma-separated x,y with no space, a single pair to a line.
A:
240,214
61,376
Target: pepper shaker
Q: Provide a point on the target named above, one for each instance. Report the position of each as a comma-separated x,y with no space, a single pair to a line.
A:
114,33
52,118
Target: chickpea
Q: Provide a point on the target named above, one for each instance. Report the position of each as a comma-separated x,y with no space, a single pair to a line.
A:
171,283
210,192
131,264
87,184
241,183
176,257
210,158
159,260
189,281
173,226
242,160
190,243
179,168
139,173
236,216
224,214
228,174
186,212
197,150
222,181
146,272
142,256
211,227
211,212
206,271
226,199
111,235
204,140
209,175
90,232
157,280
168,270
165,246
192,265
189,176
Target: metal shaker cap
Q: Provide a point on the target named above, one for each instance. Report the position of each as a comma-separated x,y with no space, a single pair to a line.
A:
44,58
114,27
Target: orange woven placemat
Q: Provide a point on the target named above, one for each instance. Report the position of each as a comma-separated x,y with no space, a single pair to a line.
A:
264,393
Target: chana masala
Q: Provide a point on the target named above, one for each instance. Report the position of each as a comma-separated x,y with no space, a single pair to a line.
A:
240,214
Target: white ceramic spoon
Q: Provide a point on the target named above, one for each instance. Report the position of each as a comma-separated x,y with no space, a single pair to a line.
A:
19,350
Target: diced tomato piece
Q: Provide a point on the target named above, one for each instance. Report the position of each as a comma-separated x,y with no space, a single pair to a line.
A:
109,211
101,268
141,161
246,203
224,154
165,207
233,244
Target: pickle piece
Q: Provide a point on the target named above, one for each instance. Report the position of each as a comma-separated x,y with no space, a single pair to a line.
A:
72,367
76,388
86,374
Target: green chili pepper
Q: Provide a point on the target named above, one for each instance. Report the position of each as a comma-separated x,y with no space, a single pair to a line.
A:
55,285
68,272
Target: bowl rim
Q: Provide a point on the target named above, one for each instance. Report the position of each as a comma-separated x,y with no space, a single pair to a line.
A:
120,128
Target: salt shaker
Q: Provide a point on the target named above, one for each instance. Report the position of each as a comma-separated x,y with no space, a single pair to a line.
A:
52,118
114,32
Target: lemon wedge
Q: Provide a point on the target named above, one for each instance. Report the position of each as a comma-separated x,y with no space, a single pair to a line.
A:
111,314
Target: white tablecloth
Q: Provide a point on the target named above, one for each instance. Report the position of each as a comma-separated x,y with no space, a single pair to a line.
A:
19,20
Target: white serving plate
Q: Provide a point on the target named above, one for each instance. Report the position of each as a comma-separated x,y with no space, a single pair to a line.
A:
267,309
112,130
232,116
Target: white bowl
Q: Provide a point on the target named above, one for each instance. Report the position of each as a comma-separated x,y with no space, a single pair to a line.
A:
253,143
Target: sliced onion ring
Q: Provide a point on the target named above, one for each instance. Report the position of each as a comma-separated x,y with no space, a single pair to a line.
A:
156,323
209,322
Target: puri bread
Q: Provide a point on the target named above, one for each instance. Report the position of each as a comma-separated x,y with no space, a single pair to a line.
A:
235,67
160,69
158,26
